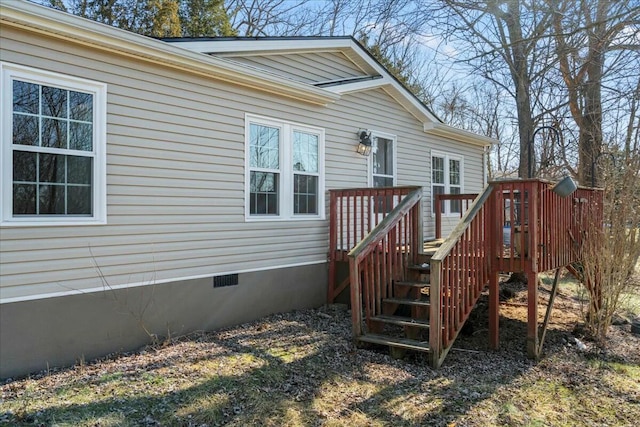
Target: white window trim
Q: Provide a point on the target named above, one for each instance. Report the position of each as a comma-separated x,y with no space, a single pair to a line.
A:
9,71
394,139
447,185
285,186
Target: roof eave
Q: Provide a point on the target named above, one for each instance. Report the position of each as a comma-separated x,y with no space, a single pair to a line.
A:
347,45
266,46
450,132
54,23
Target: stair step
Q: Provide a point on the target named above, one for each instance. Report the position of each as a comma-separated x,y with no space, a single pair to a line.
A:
413,284
395,342
402,321
422,268
432,244
406,301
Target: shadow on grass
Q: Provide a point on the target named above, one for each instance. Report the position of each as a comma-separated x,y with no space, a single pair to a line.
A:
250,377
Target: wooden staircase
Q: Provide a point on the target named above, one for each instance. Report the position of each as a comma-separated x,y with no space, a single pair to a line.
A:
404,322
410,296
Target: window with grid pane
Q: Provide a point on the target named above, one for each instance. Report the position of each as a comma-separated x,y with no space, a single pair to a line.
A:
446,178
52,148
264,176
285,170
437,180
305,173
454,184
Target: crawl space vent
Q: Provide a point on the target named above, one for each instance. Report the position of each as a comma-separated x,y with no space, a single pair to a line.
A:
226,280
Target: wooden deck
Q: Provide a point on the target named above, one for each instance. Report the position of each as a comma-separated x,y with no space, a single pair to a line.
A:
398,281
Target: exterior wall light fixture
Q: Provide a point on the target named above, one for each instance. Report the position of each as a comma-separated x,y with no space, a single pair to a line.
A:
364,146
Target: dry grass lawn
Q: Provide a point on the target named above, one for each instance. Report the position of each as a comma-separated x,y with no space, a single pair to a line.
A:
301,369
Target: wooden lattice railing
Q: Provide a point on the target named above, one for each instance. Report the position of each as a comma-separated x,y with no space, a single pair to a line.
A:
460,270
383,257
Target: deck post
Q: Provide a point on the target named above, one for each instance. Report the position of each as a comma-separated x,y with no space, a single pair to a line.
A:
435,315
356,298
532,315
333,233
419,231
494,309
437,209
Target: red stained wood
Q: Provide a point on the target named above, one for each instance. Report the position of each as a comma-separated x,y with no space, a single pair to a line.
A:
465,202
547,229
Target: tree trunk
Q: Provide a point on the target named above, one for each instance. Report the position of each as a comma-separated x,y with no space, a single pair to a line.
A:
522,81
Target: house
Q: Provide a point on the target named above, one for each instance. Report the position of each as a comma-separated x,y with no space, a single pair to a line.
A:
153,188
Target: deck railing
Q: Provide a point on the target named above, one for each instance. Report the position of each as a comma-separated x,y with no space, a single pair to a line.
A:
536,229
515,213
465,201
354,212
565,222
512,226
383,257
460,270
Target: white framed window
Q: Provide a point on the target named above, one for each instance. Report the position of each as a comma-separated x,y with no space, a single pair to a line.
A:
382,167
284,170
446,178
53,152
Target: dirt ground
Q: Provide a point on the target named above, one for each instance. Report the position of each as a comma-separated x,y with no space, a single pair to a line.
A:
301,369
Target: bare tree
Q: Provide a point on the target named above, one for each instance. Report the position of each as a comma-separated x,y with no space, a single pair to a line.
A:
260,18
501,38
585,32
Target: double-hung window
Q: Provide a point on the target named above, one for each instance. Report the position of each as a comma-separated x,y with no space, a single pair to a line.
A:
446,178
382,162
383,169
53,148
285,170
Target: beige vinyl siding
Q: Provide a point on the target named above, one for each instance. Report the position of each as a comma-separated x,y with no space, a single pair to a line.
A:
413,150
175,176
305,67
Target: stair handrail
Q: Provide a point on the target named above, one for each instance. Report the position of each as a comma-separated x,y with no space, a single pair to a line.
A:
366,245
353,213
371,241
437,207
462,225
435,291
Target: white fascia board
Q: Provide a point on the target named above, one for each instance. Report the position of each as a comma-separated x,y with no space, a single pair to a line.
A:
354,87
252,47
54,23
450,132
398,91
